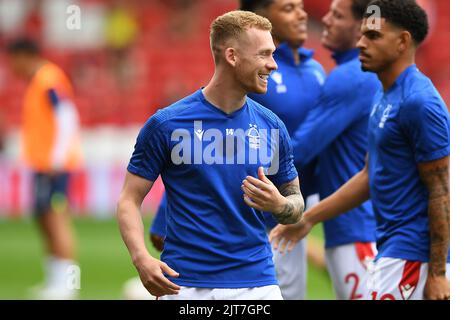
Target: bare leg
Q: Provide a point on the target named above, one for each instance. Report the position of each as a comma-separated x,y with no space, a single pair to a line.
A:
58,236
316,253
62,272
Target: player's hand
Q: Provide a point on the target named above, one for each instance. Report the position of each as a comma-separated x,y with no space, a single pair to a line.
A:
437,288
151,271
262,194
157,241
283,236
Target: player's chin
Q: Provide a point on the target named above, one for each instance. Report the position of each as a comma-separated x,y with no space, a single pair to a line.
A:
299,40
260,89
326,43
303,36
367,67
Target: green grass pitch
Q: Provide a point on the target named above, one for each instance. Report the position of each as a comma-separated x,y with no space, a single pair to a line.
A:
104,260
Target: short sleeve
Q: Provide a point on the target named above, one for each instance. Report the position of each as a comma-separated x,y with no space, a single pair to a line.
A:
53,78
283,167
426,124
150,154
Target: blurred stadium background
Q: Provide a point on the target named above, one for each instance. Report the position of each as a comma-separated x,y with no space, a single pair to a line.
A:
128,59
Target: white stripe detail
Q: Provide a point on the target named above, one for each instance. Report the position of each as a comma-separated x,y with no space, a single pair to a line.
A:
67,127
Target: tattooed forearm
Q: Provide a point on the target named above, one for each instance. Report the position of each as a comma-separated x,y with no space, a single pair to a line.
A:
435,178
293,209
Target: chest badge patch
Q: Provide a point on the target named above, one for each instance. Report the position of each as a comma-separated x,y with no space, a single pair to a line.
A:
253,137
385,116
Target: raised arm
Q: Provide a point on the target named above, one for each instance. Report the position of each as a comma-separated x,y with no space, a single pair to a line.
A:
344,100
151,270
321,127
434,175
351,195
295,204
285,203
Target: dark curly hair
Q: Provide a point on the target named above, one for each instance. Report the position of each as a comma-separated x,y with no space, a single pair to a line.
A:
23,45
406,14
254,5
358,6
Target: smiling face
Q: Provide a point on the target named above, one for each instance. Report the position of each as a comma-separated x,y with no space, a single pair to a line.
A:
380,48
289,21
253,60
341,29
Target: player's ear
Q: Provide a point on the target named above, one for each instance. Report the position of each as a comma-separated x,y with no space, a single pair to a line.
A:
230,56
405,41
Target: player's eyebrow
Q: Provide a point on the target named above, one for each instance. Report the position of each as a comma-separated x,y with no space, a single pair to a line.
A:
337,12
266,51
370,33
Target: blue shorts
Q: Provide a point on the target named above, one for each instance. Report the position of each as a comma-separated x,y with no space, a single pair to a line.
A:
50,192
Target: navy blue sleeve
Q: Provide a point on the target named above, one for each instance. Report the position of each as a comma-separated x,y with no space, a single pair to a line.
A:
53,97
151,151
159,222
341,103
283,164
426,124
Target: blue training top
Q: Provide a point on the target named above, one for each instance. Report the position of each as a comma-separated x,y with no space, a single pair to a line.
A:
336,131
409,124
291,92
214,240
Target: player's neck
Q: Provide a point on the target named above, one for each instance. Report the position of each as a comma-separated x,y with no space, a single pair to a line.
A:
224,94
34,66
294,49
296,55
390,74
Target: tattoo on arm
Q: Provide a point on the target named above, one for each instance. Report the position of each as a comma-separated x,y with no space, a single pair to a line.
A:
293,209
436,178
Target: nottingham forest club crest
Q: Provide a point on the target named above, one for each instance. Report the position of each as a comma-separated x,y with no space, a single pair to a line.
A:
253,137
384,116
250,145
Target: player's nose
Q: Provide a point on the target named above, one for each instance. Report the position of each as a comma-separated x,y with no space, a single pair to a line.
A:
301,14
326,19
361,44
272,65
